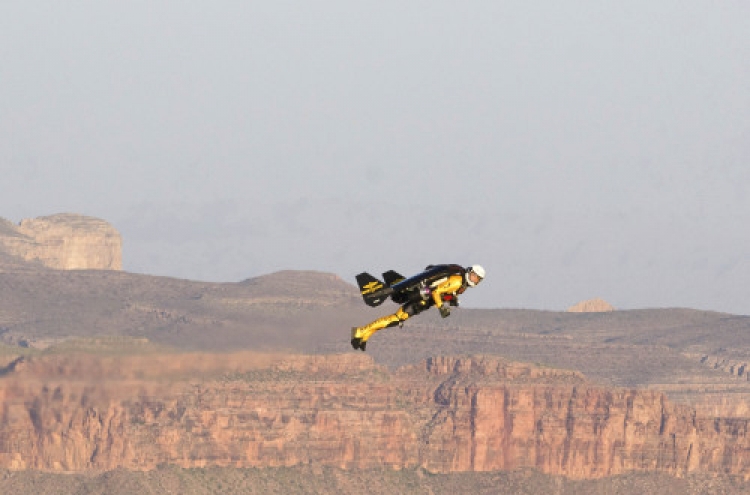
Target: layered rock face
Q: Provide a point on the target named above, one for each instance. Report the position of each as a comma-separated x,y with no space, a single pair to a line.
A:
64,242
84,413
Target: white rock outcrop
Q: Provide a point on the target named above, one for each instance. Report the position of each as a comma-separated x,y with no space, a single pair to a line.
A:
64,242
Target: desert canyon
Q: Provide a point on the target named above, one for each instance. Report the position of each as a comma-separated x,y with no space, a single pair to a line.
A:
109,376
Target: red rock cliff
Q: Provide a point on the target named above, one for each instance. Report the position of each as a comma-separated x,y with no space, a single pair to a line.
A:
82,413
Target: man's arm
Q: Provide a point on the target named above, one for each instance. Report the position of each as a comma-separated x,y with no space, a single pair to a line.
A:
450,286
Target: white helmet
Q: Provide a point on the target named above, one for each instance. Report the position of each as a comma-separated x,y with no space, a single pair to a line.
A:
476,269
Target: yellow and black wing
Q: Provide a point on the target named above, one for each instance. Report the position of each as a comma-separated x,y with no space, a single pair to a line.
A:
374,292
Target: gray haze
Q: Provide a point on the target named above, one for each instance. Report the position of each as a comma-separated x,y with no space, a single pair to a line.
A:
575,149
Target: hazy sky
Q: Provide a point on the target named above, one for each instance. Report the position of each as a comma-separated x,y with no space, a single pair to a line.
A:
575,149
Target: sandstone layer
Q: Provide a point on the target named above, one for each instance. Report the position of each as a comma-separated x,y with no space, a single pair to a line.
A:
81,413
63,242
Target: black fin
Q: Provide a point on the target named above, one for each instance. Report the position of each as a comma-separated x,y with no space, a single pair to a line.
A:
392,277
373,291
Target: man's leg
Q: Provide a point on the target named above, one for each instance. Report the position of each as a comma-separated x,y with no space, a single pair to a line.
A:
360,335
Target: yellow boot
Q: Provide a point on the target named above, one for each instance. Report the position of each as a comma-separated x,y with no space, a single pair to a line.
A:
360,335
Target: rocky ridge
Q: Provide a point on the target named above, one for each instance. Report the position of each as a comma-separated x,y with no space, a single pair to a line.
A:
87,413
63,242
738,368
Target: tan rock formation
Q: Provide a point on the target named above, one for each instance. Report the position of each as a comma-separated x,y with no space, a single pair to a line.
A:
64,242
591,306
87,413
